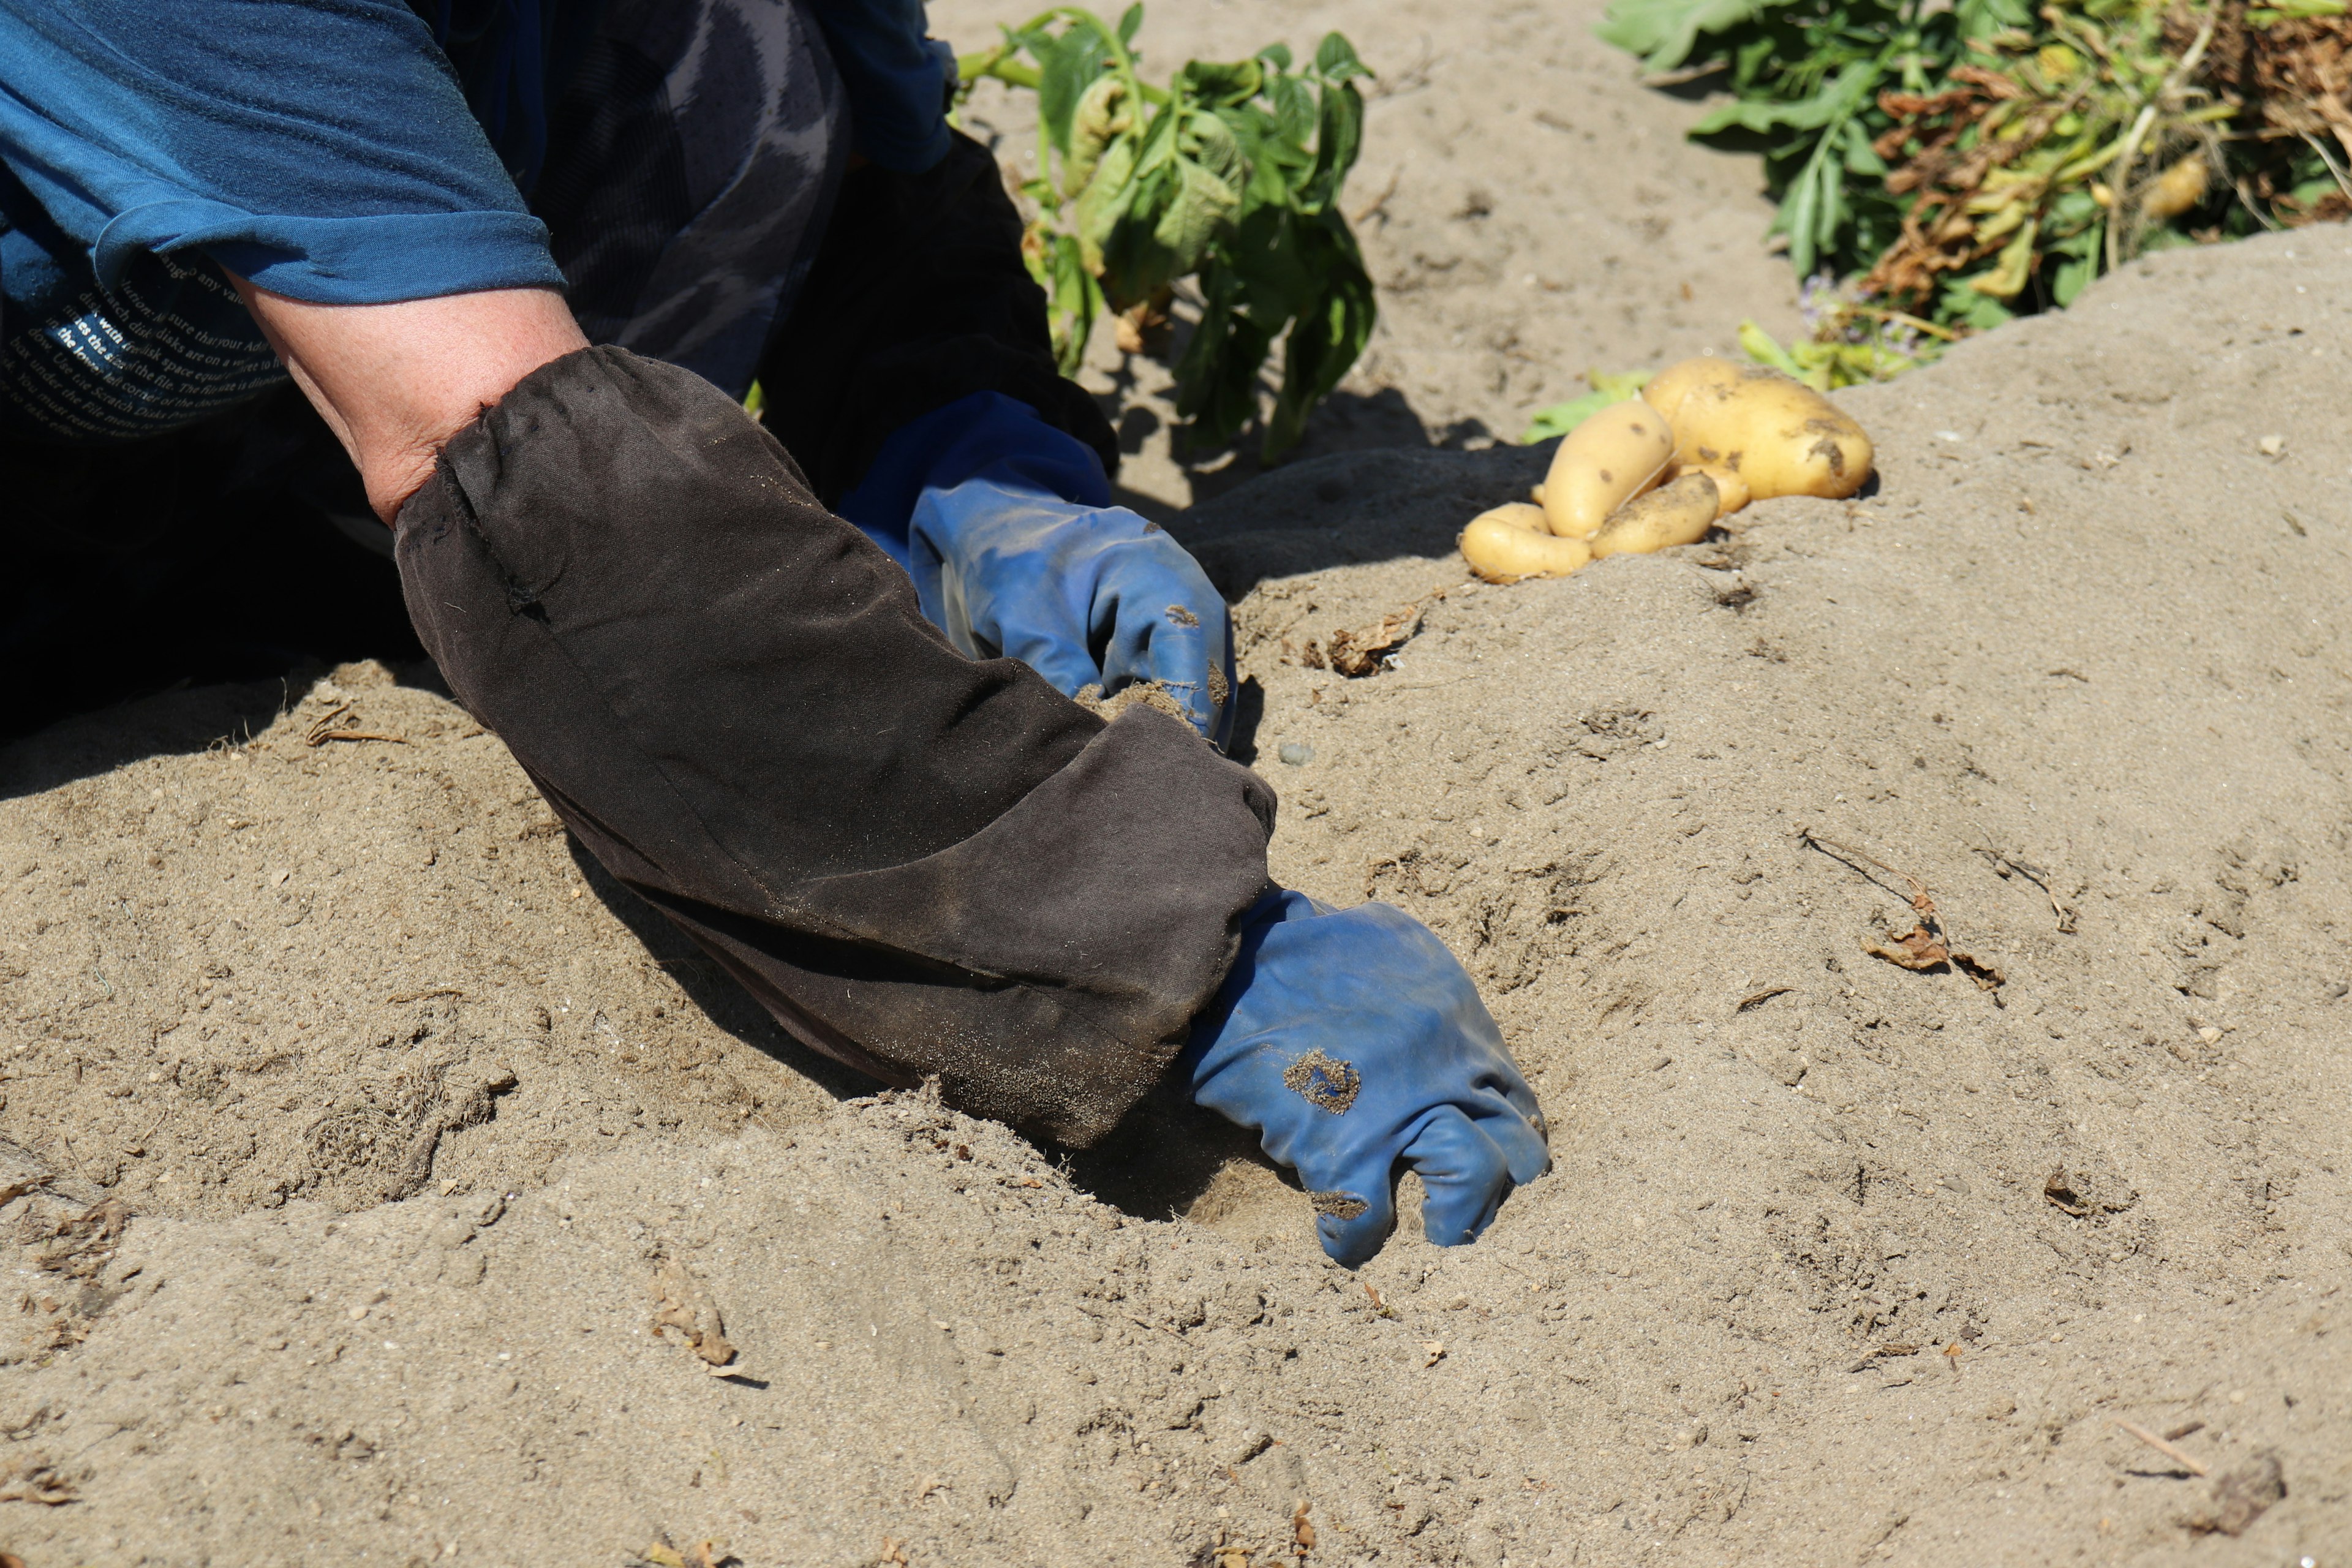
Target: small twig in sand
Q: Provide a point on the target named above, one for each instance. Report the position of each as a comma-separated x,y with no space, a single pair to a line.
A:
324,729
2194,1466
1919,900
1762,996
2005,864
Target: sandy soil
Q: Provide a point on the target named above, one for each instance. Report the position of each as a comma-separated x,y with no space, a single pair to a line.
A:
380,1163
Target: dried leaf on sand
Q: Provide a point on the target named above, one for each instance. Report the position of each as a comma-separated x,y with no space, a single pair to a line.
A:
1359,652
684,1307
1923,946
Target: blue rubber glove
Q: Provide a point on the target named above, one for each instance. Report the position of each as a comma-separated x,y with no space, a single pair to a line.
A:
1352,1040
1006,526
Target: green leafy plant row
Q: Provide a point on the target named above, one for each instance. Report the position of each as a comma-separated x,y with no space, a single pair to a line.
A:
1229,174
1940,167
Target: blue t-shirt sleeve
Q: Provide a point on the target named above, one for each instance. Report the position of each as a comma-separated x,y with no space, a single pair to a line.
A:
897,81
321,148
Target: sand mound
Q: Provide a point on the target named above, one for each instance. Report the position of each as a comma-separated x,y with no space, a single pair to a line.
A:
377,1129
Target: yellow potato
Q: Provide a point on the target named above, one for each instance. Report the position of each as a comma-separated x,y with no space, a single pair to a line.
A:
1676,513
1665,391
1615,455
2178,190
1778,436
1731,491
1512,541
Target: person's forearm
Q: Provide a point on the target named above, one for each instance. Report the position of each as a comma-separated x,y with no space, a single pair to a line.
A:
395,381
924,864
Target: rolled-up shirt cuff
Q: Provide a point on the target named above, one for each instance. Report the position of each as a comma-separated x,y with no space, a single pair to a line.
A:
373,260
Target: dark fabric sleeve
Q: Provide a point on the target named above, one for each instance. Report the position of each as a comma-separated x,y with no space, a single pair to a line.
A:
898,79
919,298
921,864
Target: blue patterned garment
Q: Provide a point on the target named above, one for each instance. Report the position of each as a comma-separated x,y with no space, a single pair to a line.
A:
668,162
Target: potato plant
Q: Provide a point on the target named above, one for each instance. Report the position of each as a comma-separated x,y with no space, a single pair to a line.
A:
1229,174
1941,166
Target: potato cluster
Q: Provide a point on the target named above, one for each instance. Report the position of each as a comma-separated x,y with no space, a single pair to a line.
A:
1705,437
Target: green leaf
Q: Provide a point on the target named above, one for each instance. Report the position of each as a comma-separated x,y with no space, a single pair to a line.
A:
1619,384
1839,97
1073,301
1860,157
1205,203
1294,110
1326,339
2072,276
1105,200
1765,349
1275,55
1338,137
1335,60
1217,84
1962,304
1608,388
1217,380
1129,24
2008,277
1983,19
1066,66
1102,114
1664,32
1800,212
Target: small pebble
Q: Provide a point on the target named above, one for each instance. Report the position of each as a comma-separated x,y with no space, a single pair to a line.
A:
1297,753
356,1313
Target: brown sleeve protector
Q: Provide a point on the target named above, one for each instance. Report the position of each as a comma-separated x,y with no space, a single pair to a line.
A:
919,297
920,864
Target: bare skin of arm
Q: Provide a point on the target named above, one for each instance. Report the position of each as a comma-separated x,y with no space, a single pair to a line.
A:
395,381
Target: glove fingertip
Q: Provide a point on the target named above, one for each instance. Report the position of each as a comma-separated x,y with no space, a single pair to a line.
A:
1351,1229
1452,1225
1524,1151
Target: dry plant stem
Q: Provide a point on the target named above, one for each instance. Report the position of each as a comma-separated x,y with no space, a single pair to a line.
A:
1920,901
2335,170
324,731
2002,862
2187,1462
2168,93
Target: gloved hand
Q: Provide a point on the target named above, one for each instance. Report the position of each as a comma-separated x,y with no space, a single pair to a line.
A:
1005,524
1352,1040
